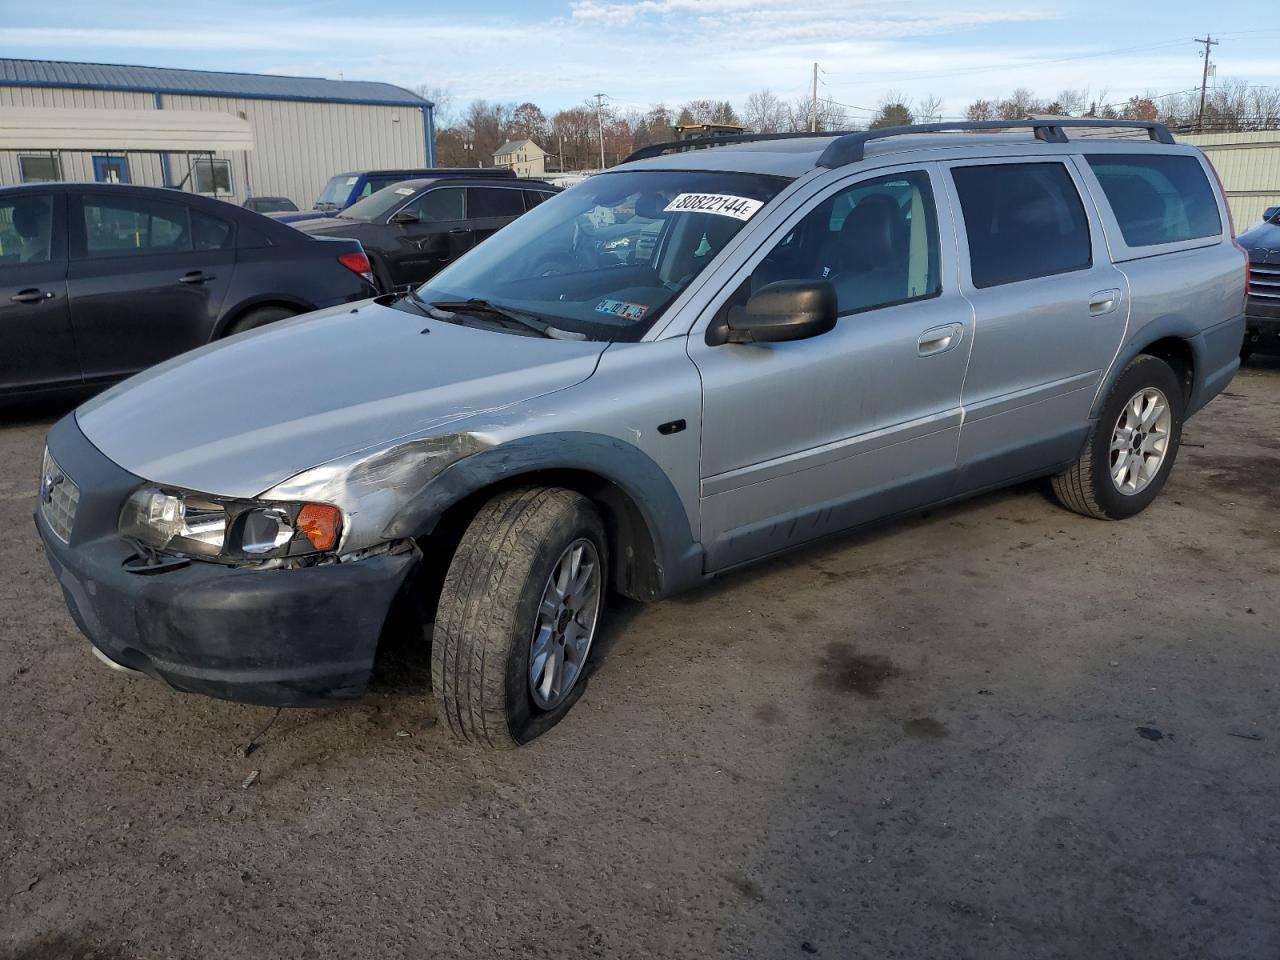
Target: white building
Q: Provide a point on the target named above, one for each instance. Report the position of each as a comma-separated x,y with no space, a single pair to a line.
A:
232,135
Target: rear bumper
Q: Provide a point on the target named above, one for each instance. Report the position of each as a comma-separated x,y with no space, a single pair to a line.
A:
288,637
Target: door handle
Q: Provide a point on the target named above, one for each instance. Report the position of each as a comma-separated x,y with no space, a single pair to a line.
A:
1103,302
458,230
939,339
196,276
31,295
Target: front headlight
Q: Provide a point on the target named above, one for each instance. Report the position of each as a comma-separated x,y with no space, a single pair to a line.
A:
220,528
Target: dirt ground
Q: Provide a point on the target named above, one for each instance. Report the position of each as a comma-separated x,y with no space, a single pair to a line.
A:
997,731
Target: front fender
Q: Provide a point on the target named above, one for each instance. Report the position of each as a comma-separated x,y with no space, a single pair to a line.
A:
677,557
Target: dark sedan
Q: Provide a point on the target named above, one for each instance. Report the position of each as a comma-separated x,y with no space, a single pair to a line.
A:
99,281
411,230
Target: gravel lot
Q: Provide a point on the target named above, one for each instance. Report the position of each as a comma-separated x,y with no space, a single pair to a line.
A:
1000,730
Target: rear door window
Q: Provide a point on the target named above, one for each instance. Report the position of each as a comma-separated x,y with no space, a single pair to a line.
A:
1023,220
1163,198
494,202
120,226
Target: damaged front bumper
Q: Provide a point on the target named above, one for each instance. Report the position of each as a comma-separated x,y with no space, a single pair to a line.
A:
303,636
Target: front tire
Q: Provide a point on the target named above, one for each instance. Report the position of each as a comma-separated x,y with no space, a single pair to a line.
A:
1132,447
260,317
518,611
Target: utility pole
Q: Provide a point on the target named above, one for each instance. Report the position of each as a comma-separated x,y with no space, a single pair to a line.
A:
600,125
1208,42
813,103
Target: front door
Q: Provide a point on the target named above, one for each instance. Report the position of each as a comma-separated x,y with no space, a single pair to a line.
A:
38,349
146,280
1050,311
440,235
805,438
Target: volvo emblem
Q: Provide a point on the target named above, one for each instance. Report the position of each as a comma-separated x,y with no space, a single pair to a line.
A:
47,485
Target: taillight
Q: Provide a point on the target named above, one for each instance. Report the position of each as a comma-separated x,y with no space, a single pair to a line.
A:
358,263
1231,223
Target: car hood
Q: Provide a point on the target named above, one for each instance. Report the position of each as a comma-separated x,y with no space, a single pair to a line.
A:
237,417
1262,242
295,216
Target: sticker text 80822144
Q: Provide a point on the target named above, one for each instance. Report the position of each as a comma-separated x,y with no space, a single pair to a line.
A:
740,208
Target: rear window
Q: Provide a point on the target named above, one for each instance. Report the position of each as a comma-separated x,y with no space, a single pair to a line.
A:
1157,199
1023,220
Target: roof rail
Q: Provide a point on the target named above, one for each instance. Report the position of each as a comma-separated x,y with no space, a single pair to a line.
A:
848,147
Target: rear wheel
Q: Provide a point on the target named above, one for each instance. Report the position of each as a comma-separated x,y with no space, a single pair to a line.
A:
260,317
518,612
1131,449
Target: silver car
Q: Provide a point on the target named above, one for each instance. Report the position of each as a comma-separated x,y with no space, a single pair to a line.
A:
697,359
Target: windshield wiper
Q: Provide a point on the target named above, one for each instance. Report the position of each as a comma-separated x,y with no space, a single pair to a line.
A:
430,310
484,307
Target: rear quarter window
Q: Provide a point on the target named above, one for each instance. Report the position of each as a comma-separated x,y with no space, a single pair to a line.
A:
1158,199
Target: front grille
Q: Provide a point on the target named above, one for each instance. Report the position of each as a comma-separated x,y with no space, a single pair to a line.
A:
59,497
1264,280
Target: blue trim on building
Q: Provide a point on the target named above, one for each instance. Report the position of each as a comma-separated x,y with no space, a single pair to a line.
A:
230,94
164,157
429,134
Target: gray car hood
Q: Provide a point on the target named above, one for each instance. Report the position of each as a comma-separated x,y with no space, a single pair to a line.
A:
239,416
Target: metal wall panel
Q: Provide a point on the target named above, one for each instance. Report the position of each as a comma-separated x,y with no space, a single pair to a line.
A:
298,144
1249,165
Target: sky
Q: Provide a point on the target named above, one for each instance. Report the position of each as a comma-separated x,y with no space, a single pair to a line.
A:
638,52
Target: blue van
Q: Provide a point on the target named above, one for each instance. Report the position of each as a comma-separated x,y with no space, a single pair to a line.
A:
344,189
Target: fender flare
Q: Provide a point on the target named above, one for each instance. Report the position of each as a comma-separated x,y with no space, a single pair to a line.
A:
1170,325
677,556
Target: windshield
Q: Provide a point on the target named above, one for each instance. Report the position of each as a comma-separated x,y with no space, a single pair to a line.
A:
336,191
376,206
273,205
607,256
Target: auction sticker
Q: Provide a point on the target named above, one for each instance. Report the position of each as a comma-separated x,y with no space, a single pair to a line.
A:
405,191
740,208
623,308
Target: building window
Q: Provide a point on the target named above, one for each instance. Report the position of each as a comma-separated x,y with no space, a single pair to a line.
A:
111,169
40,169
212,176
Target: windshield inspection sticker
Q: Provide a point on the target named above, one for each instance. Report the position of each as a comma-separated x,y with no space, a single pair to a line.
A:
740,208
351,180
405,191
623,308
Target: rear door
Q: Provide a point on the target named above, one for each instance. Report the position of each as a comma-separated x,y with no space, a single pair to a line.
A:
146,281
416,251
1050,312
39,348
491,208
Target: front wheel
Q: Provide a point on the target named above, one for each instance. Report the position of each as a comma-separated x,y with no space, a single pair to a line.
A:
1131,449
518,612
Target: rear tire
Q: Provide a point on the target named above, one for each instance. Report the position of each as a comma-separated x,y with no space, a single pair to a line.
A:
260,317
1131,448
503,619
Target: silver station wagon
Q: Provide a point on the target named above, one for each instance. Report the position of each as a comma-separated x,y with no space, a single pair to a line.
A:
717,351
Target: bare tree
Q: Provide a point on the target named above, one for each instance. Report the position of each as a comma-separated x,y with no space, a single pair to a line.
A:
1071,102
1019,105
445,112
765,112
929,110
980,110
831,116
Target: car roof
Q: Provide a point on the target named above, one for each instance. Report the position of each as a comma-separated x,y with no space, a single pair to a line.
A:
794,155
421,183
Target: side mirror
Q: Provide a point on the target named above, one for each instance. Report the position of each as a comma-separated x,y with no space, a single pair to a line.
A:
785,310
404,216
1270,213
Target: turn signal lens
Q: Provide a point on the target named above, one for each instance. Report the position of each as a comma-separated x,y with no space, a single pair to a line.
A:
321,523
